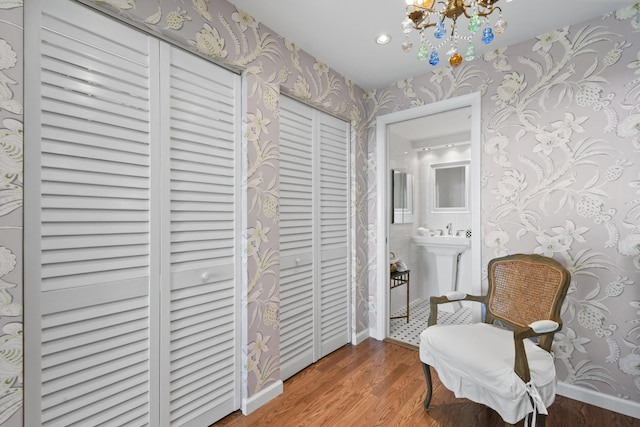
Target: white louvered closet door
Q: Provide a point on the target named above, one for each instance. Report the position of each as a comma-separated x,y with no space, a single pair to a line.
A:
333,211
314,233
202,315
296,238
93,235
131,228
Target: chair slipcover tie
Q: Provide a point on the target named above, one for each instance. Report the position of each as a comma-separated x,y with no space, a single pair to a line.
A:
538,405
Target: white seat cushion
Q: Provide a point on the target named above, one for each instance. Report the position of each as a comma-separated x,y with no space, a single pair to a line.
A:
476,362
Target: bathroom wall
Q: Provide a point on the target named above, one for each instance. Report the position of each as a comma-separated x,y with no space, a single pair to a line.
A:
422,264
402,156
425,279
439,220
400,244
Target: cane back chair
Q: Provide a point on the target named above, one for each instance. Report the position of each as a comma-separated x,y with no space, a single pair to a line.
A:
500,365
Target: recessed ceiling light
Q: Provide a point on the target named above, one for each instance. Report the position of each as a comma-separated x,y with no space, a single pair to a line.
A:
383,39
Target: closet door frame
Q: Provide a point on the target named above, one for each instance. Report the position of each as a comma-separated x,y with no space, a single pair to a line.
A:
32,351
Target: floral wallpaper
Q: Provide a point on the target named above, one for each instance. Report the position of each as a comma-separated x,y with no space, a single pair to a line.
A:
561,151
11,184
215,30
561,177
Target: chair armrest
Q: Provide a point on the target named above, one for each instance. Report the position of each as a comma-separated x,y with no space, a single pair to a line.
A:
455,295
543,328
450,297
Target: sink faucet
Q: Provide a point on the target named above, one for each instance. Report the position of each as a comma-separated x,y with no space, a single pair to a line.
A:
449,229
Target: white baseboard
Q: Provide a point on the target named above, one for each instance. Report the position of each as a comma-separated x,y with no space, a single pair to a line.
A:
592,397
360,337
263,396
373,333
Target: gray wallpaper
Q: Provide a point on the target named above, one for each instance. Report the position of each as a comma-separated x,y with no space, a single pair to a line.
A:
560,173
11,180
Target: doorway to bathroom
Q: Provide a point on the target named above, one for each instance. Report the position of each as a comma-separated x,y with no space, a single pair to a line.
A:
423,152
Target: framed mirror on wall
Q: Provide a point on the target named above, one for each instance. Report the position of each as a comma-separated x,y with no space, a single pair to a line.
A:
401,196
450,187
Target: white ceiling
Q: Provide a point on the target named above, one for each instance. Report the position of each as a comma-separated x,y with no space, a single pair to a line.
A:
341,33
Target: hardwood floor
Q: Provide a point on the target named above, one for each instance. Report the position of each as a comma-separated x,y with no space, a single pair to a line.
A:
382,384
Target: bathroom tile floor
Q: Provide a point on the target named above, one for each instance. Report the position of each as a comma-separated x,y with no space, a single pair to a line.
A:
419,310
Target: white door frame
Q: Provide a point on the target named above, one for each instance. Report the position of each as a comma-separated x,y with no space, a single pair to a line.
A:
381,327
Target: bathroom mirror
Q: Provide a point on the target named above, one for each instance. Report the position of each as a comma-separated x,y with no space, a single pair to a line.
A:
402,196
450,187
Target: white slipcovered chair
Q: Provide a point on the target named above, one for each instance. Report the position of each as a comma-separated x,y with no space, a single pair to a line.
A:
500,366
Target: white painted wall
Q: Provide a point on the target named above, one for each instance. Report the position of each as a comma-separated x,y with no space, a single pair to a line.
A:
421,263
403,156
424,281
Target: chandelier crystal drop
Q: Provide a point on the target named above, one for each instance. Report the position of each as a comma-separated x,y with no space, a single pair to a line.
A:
407,45
443,16
500,26
470,54
423,53
433,59
474,24
455,60
487,35
440,30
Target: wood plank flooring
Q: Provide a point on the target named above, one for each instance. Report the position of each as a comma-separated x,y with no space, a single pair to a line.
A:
382,384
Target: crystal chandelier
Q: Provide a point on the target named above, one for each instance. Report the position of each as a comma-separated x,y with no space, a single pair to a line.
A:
423,14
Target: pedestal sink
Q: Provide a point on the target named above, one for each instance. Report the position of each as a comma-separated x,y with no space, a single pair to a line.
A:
446,249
